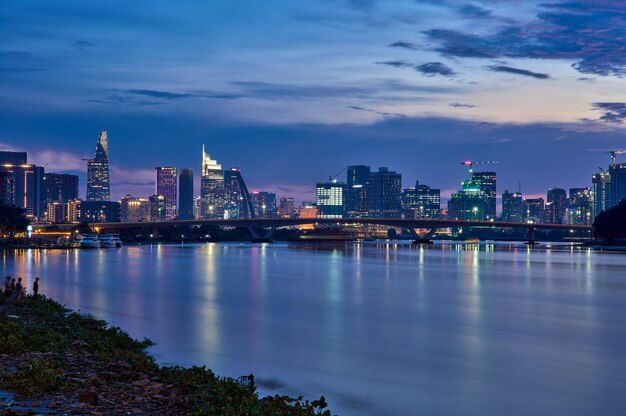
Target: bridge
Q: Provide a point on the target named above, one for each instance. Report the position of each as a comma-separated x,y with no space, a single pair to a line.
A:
262,229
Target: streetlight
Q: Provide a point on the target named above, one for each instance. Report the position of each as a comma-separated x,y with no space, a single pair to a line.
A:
475,211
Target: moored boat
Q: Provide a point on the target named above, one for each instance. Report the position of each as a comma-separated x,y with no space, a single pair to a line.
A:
89,241
110,241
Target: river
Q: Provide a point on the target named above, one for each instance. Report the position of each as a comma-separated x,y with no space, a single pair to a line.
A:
377,328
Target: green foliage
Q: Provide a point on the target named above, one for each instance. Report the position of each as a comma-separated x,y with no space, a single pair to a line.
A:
12,219
611,224
32,337
34,377
193,376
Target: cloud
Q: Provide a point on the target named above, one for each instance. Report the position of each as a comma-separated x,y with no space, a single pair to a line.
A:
461,105
614,113
84,45
168,95
435,68
517,71
381,113
471,10
15,54
429,69
591,32
405,45
16,70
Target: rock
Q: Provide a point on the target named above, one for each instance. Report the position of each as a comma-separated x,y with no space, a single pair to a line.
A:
89,397
142,382
36,403
79,343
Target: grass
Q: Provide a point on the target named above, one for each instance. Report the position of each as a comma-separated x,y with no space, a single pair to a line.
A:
43,325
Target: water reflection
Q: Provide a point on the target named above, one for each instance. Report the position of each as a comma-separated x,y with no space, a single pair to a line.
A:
378,328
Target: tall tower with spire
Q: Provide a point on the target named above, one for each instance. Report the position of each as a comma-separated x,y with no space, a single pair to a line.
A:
212,192
98,187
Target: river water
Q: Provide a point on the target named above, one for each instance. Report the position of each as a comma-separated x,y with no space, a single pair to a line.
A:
378,329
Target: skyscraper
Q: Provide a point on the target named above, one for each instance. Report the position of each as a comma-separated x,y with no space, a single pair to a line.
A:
264,204
488,186
512,206
329,199
21,184
357,175
98,188
384,194
60,187
238,202
421,202
469,203
617,172
580,206
166,179
287,207
534,210
557,208
185,194
601,192
212,191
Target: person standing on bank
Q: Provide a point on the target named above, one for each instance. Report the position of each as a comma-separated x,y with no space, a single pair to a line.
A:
7,287
36,288
19,289
13,289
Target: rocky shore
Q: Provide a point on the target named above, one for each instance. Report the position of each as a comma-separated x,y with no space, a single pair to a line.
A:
55,361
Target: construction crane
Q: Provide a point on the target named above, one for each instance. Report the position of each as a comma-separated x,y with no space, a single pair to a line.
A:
614,154
471,163
331,178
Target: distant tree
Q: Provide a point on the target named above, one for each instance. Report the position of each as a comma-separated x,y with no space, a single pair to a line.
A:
12,219
611,224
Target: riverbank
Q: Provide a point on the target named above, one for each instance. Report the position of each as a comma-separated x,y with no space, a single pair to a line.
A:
53,360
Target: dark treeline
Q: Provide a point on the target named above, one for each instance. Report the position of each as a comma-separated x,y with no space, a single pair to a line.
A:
610,225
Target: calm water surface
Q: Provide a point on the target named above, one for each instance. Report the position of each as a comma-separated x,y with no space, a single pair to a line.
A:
379,329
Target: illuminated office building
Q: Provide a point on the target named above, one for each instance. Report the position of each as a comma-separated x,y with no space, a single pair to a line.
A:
185,194
212,192
21,184
98,187
384,194
421,202
512,206
469,203
166,185
329,199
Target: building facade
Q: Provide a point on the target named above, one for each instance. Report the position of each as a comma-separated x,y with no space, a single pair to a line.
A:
384,194
617,172
601,182
287,207
166,185
556,207
512,206
212,191
98,186
469,203
185,194
99,211
534,209
21,184
487,182
238,202
580,206
329,199
421,202
60,187
264,204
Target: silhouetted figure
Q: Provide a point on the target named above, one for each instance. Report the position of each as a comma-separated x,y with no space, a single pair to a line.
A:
36,288
7,287
251,378
19,289
13,294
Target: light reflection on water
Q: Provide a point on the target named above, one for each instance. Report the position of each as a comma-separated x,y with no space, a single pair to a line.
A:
378,328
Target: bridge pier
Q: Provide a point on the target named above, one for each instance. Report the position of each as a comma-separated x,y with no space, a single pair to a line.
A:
422,240
257,237
531,236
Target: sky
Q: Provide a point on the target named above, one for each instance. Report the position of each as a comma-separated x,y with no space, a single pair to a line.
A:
293,91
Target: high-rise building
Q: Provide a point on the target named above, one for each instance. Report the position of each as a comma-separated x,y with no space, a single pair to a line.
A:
98,187
158,208
617,172
469,203
329,199
355,201
60,187
488,186
601,192
21,184
185,194
512,206
556,208
166,185
534,210
212,190
357,175
264,204
384,194
99,211
580,206
238,200
134,209
421,202
307,210
286,207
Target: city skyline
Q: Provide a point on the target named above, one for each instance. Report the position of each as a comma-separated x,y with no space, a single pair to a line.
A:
375,83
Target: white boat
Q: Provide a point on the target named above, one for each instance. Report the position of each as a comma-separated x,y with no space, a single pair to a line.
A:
89,241
110,241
